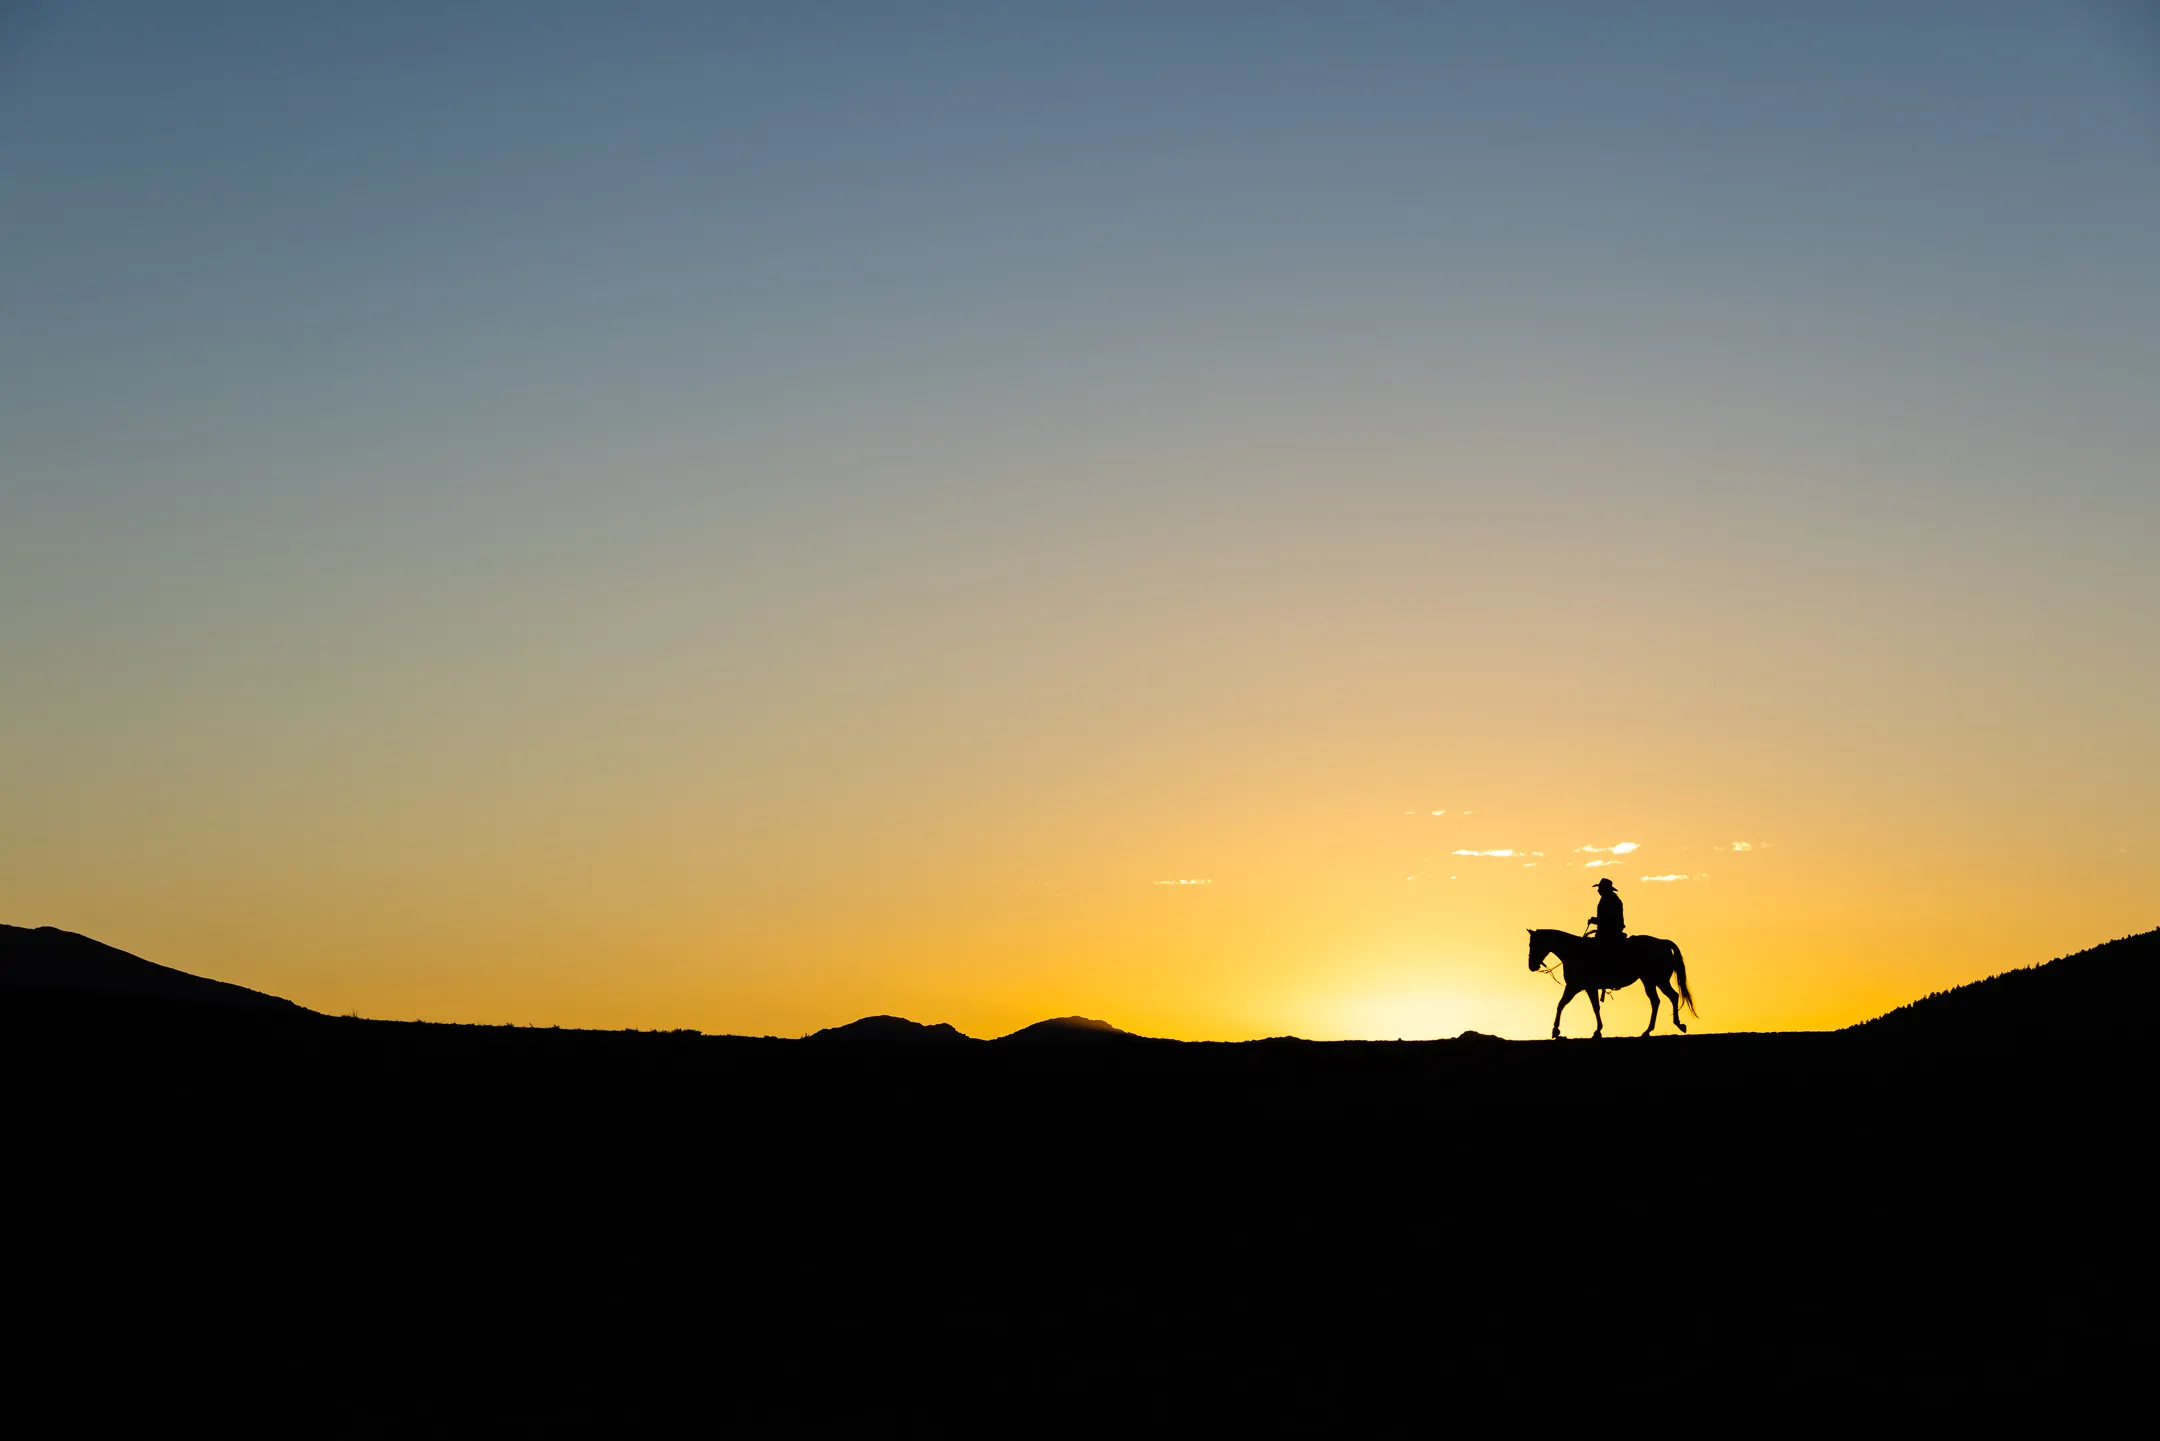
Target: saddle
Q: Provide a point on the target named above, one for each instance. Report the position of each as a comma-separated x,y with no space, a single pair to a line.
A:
1590,934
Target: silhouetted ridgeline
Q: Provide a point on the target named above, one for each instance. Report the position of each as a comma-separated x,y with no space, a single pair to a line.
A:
2059,1000
50,958
252,1219
2079,997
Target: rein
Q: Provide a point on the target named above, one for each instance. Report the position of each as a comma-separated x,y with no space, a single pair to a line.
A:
1551,969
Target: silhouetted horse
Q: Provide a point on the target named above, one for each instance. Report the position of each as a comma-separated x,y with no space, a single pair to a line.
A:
1594,966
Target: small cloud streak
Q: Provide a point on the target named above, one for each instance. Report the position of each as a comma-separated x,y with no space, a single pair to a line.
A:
1665,878
1737,846
1508,852
1593,865
1619,850
1186,883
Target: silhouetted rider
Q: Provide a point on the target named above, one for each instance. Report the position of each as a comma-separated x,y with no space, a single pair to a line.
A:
1610,921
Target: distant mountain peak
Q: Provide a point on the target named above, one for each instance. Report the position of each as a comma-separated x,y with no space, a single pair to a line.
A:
892,1029
1081,1029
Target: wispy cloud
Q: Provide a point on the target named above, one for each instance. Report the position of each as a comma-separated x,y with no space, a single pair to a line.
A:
1736,846
1509,852
1666,878
1593,865
1619,850
1186,883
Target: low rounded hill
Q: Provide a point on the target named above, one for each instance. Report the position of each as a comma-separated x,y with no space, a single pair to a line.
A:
899,1031
894,1030
1068,1031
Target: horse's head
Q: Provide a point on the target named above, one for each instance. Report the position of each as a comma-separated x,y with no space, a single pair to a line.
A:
1538,950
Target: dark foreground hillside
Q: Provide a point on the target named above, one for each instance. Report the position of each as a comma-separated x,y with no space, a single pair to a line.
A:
313,1226
50,957
2076,1000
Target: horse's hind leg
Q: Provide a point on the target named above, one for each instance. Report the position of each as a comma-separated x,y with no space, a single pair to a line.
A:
1597,1011
1650,991
1673,996
1565,996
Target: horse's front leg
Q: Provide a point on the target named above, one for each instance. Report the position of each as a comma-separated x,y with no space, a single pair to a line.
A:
1597,1011
1565,996
1650,991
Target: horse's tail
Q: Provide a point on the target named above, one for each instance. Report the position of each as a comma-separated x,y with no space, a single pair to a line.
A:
1680,965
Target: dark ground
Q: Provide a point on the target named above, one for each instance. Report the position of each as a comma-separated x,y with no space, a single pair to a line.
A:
327,1227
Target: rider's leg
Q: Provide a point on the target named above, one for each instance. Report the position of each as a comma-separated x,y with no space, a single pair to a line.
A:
1565,996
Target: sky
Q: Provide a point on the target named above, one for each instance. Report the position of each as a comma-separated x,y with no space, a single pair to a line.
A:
1212,517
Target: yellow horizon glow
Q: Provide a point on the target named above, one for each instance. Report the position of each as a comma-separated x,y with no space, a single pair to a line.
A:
1339,932
687,786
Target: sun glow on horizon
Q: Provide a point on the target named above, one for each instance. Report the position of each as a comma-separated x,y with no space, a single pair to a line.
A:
1413,1016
